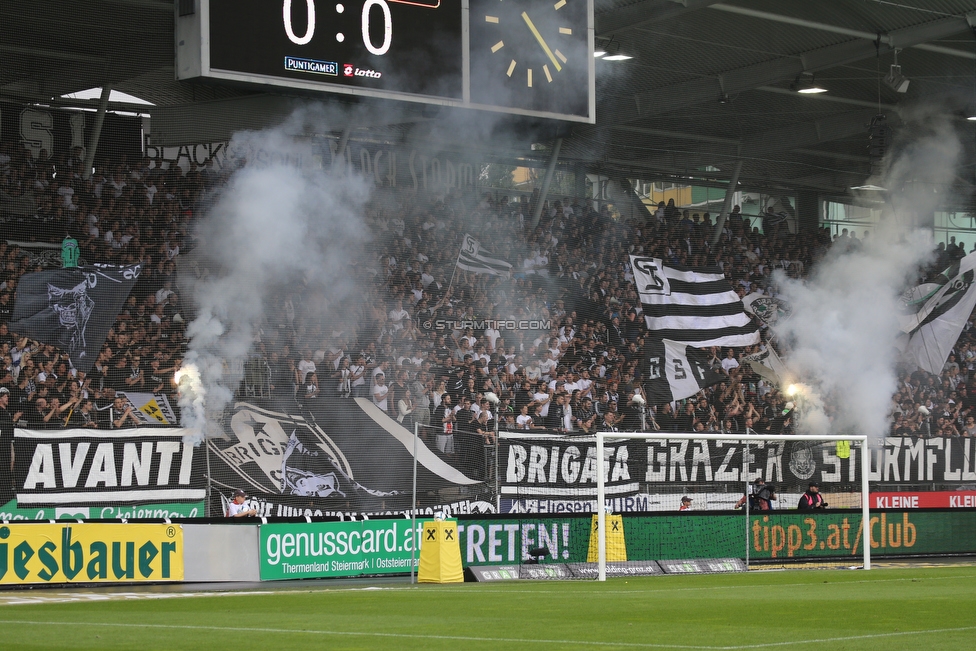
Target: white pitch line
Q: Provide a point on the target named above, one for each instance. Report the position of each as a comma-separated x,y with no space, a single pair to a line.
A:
474,590
848,638
465,638
93,597
12,599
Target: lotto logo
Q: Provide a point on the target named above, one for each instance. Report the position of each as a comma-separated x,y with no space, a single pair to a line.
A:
348,70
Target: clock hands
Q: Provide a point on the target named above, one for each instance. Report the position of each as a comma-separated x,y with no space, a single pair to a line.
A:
542,42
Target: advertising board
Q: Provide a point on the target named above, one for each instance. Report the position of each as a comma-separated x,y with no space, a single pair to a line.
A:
332,549
90,553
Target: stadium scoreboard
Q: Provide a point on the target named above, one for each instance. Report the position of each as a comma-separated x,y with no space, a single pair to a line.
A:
525,57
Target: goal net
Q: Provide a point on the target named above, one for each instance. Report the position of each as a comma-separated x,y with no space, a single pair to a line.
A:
620,503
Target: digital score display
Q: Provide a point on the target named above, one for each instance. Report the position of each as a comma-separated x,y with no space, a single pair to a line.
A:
528,57
408,47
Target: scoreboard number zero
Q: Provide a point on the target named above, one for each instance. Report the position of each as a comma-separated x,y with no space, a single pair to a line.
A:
306,38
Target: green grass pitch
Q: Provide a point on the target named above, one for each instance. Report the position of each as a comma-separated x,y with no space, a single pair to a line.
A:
916,608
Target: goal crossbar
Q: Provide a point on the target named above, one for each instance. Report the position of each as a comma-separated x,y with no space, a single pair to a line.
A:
601,470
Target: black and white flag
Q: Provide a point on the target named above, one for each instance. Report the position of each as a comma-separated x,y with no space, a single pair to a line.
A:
768,309
73,308
767,364
695,306
471,258
674,371
936,313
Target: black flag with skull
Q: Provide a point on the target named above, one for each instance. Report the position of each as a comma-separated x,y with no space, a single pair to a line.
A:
74,308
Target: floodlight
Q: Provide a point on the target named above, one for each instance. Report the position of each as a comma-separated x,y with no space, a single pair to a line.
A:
895,80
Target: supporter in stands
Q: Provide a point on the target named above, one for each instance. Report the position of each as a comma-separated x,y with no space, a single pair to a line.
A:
6,447
122,415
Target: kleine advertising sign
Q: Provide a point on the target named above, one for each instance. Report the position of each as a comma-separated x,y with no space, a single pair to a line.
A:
924,500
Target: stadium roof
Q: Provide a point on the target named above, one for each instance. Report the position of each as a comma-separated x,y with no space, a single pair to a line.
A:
710,83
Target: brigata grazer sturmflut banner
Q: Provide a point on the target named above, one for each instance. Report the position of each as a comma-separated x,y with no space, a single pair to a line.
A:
336,456
561,468
92,474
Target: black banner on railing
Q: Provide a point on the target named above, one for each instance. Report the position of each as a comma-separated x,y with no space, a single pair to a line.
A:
334,455
137,473
561,467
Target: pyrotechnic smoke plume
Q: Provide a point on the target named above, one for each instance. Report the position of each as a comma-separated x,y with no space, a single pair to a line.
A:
281,221
844,326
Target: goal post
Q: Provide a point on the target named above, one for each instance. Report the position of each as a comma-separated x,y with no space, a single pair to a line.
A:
601,475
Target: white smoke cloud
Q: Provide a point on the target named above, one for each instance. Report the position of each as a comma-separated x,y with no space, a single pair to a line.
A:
281,221
844,327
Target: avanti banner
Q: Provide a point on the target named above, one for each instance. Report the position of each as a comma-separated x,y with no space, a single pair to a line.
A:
77,469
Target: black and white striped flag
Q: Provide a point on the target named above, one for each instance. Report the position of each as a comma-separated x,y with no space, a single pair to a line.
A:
674,371
693,306
472,259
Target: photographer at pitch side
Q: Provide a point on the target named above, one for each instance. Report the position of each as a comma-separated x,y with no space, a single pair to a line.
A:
812,499
761,498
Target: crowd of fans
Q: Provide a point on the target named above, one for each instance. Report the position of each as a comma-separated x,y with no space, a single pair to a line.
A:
126,212
421,342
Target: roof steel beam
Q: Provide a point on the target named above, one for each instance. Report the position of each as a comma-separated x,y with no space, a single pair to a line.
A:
643,13
698,91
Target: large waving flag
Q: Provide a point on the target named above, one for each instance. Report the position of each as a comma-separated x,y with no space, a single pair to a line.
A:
73,308
937,313
695,306
471,258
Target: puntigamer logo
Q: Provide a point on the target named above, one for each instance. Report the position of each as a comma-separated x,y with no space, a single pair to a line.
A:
314,66
84,553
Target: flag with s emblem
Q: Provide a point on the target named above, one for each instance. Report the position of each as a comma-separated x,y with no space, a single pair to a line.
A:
674,371
472,258
149,408
696,306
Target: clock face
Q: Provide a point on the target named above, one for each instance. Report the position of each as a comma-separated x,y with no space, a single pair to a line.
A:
530,54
